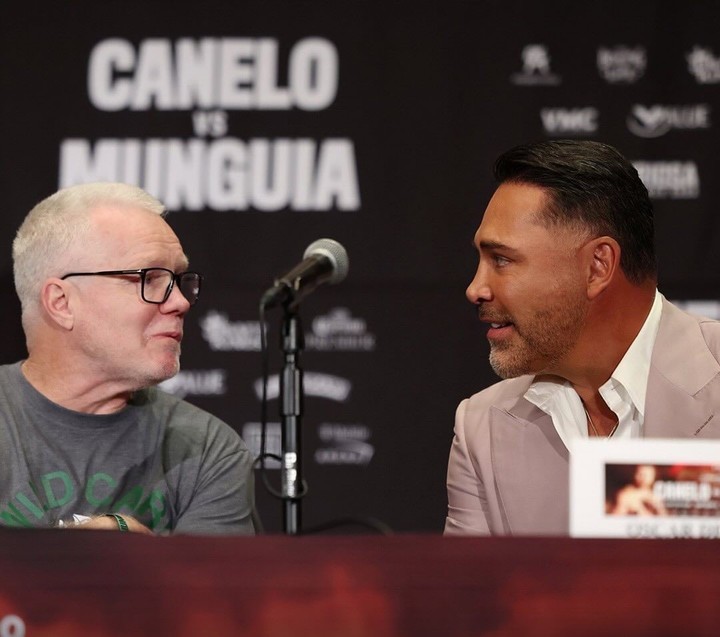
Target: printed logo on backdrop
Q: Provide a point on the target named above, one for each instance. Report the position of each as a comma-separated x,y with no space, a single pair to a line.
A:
252,435
338,330
202,382
704,65
210,79
315,384
340,444
536,69
657,120
344,445
670,179
569,121
621,64
223,335
700,307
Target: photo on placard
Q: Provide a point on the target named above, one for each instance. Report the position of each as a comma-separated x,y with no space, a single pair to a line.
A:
662,490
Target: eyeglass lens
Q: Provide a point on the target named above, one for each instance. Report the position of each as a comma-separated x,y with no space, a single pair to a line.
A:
157,284
190,286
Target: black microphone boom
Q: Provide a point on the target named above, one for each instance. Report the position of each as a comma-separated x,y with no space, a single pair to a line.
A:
324,261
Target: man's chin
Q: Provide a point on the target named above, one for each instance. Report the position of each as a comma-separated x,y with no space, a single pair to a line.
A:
166,370
507,369
512,361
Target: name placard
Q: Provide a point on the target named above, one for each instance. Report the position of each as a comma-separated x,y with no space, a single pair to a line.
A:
646,488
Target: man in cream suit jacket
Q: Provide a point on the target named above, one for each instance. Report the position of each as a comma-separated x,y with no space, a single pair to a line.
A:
588,347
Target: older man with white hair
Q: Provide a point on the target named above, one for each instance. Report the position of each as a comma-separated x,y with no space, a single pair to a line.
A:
86,439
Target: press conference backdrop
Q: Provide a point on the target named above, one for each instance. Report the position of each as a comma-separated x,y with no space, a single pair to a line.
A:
266,125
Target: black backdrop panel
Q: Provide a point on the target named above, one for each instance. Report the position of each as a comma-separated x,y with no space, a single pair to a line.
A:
264,126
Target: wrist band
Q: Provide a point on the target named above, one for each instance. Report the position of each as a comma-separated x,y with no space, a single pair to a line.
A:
122,524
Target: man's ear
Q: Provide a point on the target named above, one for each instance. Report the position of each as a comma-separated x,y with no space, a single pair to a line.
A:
55,298
604,264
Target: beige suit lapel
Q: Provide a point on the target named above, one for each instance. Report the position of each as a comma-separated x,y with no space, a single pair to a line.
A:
683,393
530,465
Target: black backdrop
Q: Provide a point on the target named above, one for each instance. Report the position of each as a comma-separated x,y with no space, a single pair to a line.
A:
266,125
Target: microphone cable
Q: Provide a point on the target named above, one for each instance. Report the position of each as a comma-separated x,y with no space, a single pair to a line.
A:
265,362
369,523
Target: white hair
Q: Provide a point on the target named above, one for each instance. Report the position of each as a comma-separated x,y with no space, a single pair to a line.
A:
42,245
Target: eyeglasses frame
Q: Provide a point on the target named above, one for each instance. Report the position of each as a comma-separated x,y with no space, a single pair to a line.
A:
142,273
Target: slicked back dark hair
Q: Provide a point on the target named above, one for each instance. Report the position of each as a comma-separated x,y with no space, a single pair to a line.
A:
591,185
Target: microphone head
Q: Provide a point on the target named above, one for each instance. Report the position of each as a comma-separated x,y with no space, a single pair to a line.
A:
335,253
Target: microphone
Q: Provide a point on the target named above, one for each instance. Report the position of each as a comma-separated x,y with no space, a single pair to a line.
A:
324,261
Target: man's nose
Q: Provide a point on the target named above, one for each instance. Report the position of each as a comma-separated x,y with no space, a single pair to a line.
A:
176,302
479,288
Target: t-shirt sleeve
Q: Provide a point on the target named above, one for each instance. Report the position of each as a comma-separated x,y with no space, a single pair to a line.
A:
220,498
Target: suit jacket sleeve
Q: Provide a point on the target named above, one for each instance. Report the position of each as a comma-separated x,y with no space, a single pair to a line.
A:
467,501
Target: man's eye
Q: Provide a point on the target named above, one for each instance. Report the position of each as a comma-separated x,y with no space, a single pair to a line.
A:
500,261
154,277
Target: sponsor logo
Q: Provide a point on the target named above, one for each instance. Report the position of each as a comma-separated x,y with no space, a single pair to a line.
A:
655,121
344,445
621,64
224,335
536,67
314,384
703,64
339,330
701,307
670,179
252,435
569,121
206,382
210,79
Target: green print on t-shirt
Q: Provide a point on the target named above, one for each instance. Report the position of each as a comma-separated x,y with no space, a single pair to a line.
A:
57,489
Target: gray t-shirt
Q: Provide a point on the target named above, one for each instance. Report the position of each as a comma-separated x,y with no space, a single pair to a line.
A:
173,466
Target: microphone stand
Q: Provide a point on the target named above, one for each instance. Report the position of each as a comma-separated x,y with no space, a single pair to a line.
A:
291,406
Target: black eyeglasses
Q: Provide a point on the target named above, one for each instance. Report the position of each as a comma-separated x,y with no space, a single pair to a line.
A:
157,283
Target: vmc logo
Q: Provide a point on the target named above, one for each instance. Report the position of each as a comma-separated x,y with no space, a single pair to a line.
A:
569,121
656,120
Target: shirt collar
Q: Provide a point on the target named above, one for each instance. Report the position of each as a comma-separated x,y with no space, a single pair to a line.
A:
633,370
